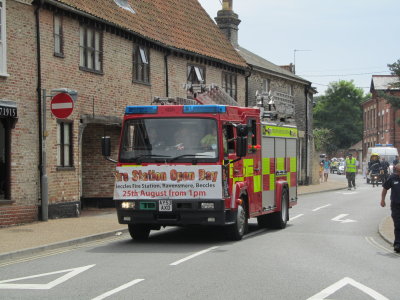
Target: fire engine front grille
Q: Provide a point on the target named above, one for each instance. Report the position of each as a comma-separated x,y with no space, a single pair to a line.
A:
167,216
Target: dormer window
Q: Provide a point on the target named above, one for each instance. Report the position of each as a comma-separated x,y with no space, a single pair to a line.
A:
125,5
195,74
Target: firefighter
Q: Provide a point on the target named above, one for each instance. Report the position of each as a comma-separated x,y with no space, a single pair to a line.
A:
374,169
210,140
351,169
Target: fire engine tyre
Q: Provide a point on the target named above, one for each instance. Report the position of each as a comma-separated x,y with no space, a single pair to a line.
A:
139,232
279,219
238,230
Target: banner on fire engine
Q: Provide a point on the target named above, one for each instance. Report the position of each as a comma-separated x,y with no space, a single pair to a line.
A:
168,182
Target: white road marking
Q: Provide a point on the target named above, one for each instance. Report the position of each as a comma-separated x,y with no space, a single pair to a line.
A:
295,217
15,286
253,233
321,207
118,289
192,256
339,219
343,282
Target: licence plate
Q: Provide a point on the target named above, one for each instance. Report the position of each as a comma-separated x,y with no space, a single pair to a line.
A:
165,205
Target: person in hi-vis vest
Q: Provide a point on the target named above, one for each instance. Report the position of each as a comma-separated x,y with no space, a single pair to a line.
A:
351,169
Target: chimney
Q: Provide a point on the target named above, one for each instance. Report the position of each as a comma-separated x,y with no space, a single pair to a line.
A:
228,22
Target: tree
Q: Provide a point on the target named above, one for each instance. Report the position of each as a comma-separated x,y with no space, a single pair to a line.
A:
323,140
339,110
391,99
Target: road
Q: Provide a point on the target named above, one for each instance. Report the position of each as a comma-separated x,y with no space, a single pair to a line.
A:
329,250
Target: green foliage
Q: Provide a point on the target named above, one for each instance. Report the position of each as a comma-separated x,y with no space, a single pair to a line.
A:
323,140
339,110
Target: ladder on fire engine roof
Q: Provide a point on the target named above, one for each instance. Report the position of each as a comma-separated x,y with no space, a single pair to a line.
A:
199,94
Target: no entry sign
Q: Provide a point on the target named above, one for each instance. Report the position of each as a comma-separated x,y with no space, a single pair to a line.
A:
62,105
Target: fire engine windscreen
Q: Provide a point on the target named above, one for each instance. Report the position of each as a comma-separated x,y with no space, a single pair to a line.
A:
182,140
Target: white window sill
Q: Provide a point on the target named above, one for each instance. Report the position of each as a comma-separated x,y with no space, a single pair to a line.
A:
4,74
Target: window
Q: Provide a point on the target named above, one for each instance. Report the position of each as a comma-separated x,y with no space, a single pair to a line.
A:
267,85
90,45
141,64
229,84
58,36
291,90
3,46
64,144
195,74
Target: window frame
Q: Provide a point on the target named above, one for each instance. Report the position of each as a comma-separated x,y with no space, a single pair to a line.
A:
60,143
60,36
229,84
141,68
3,39
87,48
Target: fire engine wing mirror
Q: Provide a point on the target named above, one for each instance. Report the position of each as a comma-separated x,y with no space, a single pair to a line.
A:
241,146
242,130
106,148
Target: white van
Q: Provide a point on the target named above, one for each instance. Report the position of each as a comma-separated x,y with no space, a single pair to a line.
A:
387,151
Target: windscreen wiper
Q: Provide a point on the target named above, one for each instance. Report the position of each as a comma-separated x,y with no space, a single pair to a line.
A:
138,158
188,155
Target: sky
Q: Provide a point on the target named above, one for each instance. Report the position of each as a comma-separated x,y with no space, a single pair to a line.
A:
344,39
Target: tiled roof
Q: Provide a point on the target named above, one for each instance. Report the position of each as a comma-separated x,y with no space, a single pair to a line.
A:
383,82
267,66
181,24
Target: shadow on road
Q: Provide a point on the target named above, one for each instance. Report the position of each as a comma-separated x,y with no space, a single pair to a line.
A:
167,240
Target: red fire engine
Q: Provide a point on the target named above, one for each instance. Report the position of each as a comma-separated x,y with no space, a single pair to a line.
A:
203,165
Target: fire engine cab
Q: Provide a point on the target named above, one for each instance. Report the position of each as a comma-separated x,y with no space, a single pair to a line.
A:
209,165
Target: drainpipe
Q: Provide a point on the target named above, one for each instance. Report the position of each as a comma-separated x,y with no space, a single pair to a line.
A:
43,176
166,73
306,89
246,96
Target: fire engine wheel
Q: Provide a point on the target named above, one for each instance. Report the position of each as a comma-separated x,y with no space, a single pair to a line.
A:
279,219
139,232
237,231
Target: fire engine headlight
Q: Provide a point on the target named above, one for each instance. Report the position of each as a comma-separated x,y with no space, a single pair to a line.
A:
207,205
128,204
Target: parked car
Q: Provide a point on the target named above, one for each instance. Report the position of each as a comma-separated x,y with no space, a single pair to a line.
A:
340,168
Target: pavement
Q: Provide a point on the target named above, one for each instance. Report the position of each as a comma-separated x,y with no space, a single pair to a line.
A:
96,224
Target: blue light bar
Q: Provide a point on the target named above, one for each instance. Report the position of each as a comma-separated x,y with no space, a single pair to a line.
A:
378,145
389,145
198,109
144,109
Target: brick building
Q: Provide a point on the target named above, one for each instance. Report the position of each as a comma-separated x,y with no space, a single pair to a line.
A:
380,126
278,81
113,53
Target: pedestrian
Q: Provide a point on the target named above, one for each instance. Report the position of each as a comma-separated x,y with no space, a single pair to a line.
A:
393,183
364,168
384,169
396,161
351,169
374,169
327,166
321,172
